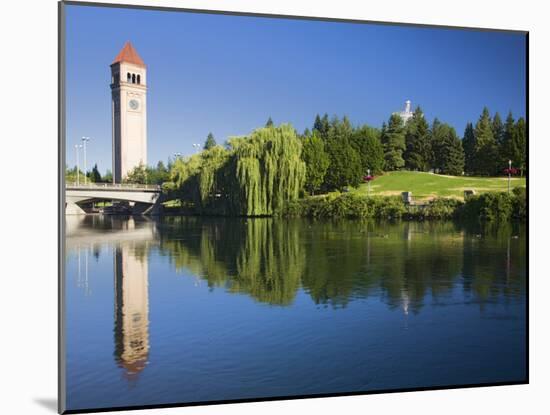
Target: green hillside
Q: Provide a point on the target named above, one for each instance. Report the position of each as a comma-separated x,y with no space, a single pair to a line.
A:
428,185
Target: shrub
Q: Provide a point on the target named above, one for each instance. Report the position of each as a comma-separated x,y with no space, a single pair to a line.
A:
389,207
488,207
441,209
484,207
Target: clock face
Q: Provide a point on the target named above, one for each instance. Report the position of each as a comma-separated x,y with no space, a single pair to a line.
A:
134,104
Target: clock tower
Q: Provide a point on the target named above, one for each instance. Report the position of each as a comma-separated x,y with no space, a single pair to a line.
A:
129,112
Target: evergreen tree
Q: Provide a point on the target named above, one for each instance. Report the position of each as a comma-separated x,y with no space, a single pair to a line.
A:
317,161
393,141
486,150
417,154
469,145
438,133
519,145
158,174
317,126
498,129
366,141
95,176
505,149
210,142
322,126
345,163
448,154
269,122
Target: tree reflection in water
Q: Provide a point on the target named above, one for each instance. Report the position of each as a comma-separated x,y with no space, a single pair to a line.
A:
335,262
407,265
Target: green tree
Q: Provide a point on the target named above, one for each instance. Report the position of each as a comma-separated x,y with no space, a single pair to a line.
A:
505,150
256,175
322,126
138,175
269,122
366,141
498,129
469,146
486,150
317,161
158,174
210,141
417,155
108,176
448,154
70,175
268,170
393,140
345,163
94,175
519,145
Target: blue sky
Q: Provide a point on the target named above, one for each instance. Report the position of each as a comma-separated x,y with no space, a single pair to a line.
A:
228,74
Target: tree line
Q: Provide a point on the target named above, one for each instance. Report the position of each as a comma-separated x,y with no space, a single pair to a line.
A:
276,163
339,155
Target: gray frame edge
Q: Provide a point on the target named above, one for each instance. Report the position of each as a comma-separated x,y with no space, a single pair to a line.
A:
61,362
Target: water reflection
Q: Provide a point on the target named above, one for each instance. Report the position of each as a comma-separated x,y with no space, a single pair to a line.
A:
131,309
130,240
405,265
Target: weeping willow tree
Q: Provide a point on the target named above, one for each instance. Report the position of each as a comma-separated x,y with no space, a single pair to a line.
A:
269,170
260,257
256,176
200,179
270,262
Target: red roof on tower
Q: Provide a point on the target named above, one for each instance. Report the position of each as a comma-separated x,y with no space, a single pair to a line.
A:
128,54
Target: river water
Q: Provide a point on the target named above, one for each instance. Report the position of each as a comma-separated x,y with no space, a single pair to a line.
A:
190,310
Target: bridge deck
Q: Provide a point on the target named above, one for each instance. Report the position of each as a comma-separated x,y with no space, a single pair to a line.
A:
120,187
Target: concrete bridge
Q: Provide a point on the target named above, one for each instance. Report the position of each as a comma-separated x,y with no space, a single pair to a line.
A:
142,199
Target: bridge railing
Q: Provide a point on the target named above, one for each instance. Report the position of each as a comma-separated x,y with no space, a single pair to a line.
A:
113,186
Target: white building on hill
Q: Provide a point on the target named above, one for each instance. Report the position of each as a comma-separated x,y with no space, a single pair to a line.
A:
406,114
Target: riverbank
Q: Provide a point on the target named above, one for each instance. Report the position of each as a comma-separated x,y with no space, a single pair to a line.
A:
497,206
493,206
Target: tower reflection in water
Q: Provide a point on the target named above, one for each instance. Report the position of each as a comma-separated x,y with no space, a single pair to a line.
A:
130,239
131,309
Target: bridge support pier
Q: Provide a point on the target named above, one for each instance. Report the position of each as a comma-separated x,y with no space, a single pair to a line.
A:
72,208
140,208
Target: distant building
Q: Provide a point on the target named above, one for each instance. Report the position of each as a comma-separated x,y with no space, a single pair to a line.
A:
406,114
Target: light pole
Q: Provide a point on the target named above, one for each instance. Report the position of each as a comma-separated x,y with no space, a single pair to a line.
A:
368,178
84,141
197,147
76,147
509,173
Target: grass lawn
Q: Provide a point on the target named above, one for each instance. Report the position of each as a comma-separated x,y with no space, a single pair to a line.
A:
427,185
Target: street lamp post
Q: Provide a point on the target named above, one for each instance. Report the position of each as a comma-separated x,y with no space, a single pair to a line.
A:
509,173
368,178
76,147
84,141
197,147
